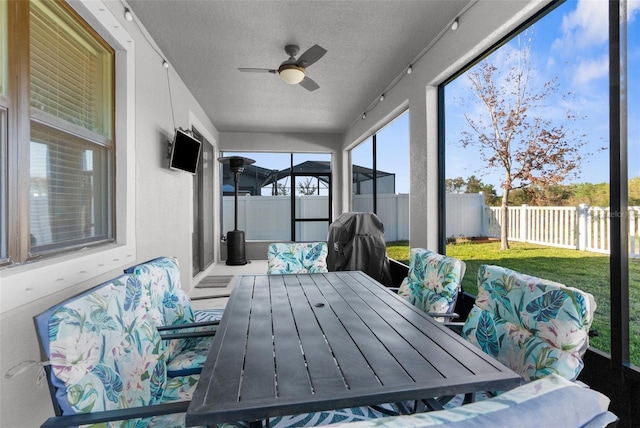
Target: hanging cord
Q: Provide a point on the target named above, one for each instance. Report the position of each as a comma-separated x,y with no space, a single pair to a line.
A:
23,366
170,95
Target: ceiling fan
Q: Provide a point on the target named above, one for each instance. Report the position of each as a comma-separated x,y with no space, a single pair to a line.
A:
294,71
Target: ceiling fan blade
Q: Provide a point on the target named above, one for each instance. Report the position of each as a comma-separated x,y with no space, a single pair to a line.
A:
257,70
309,84
312,54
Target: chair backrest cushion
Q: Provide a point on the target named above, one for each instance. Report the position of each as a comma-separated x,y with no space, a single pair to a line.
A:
161,281
168,303
298,257
433,281
534,326
104,352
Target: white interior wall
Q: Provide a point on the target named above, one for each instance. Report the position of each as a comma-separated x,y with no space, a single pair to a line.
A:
154,217
481,26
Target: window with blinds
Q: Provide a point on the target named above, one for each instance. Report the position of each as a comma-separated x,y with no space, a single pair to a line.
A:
69,190
71,148
70,68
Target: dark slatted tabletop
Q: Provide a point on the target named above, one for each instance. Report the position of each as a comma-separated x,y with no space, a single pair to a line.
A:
291,344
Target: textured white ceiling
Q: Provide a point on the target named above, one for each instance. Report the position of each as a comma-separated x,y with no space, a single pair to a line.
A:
369,44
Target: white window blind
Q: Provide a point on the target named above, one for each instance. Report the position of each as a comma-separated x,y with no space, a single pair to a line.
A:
71,170
69,190
70,69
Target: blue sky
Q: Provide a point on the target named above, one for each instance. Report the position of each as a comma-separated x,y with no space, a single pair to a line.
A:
570,43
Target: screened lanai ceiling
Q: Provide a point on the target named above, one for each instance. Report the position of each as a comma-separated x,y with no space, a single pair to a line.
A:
255,177
369,44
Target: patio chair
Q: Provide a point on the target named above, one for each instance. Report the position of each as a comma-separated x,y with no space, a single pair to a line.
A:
534,326
433,282
190,332
297,257
107,362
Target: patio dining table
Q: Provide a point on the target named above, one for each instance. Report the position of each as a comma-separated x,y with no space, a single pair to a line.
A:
291,344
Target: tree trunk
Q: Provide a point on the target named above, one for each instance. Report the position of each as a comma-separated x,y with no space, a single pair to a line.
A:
504,220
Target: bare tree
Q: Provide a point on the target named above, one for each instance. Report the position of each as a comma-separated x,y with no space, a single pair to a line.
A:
282,190
517,132
307,187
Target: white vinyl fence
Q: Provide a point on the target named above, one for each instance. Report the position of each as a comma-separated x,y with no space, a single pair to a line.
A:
583,228
269,217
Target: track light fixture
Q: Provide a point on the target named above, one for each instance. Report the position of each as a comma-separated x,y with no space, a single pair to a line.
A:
165,64
127,14
454,26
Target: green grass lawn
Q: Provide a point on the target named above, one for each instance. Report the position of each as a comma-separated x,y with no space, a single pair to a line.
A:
580,269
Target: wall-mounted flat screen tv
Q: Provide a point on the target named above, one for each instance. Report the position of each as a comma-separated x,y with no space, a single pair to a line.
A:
185,152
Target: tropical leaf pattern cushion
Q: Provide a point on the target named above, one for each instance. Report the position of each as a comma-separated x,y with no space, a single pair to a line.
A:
206,315
161,279
170,305
191,358
328,417
288,258
549,402
534,326
433,281
103,350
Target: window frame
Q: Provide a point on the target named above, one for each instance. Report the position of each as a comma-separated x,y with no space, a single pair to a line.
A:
4,252
18,142
26,282
618,162
373,137
296,222
89,137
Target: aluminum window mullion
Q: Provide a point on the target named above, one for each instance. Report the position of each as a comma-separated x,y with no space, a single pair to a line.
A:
618,165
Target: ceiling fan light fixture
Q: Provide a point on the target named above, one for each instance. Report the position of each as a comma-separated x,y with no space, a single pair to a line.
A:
291,73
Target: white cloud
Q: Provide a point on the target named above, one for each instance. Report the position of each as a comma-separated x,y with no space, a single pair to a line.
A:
584,27
551,63
633,9
591,69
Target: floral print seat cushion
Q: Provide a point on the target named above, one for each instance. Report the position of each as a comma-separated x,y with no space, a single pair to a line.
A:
288,258
208,315
549,402
433,281
105,353
534,326
170,305
330,417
